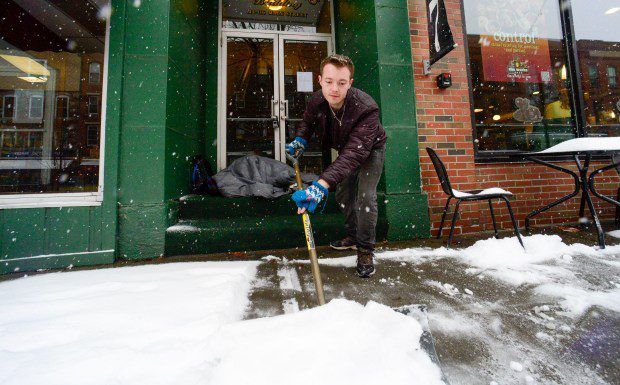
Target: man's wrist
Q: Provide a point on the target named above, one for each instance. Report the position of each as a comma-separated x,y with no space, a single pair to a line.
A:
323,183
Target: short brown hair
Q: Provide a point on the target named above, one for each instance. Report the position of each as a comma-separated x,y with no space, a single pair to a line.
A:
338,61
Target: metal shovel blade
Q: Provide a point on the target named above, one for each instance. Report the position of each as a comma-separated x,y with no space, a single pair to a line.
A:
418,312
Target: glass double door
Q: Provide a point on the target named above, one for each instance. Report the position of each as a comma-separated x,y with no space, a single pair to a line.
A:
265,83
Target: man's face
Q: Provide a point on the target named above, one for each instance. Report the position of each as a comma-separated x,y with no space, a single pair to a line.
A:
335,82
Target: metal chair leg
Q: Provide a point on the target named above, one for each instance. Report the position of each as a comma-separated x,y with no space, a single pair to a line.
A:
443,217
618,208
493,218
582,207
456,213
514,222
597,222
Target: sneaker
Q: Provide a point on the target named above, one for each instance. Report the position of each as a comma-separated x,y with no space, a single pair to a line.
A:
343,244
365,263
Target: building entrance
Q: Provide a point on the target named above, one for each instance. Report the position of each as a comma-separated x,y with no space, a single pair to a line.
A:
267,79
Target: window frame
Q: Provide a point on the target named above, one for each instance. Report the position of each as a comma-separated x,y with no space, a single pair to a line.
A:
12,96
95,198
578,119
90,73
615,76
66,98
30,98
96,104
97,130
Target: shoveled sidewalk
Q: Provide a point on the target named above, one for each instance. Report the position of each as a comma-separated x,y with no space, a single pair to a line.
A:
486,331
550,321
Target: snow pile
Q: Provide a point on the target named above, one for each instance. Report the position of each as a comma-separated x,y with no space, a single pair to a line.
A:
342,342
545,264
181,324
131,325
543,260
577,300
614,233
507,261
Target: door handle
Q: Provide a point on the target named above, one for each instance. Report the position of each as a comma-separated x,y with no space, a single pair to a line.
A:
274,109
284,108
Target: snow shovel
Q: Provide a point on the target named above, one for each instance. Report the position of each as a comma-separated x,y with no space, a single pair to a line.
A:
314,262
418,312
415,311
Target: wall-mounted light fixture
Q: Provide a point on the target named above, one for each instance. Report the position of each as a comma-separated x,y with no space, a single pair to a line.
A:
274,5
563,72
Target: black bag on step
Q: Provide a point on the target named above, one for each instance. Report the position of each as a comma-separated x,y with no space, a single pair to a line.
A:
202,181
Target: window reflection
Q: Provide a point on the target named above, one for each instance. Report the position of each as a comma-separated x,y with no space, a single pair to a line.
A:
250,92
598,49
51,56
518,70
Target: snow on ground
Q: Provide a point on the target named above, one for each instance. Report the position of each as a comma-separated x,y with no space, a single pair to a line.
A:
577,300
545,264
614,233
181,324
506,260
343,342
131,325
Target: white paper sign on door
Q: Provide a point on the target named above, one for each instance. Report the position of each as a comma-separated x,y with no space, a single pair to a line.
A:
304,82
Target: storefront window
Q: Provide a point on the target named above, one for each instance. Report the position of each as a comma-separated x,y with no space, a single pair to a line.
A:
278,15
518,67
524,93
51,56
597,37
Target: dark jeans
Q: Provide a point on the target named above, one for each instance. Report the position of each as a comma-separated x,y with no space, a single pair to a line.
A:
357,197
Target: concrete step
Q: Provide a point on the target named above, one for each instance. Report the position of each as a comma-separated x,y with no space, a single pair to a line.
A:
238,233
203,207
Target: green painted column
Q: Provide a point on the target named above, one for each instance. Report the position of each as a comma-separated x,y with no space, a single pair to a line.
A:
211,26
161,121
375,34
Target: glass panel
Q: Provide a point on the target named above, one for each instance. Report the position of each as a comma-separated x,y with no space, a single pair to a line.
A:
302,61
45,56
94,73
93,105
249,95
278,15
518,71
598,50
62,107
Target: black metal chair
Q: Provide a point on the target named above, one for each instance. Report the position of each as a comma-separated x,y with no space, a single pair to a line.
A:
615,163
468,196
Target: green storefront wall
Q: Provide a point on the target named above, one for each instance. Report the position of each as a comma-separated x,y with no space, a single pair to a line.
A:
162,110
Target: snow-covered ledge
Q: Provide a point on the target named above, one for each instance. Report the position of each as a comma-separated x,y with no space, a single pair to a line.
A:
19,201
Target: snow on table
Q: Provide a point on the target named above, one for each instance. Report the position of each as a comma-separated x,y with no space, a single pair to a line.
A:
585,144
181,324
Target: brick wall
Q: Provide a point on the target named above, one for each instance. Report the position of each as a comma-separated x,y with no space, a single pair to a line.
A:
444,124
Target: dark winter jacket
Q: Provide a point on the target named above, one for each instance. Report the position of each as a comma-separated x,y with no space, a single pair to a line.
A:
361,131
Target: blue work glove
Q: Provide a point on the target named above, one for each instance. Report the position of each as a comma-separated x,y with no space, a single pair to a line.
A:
310,197
296,147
